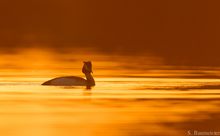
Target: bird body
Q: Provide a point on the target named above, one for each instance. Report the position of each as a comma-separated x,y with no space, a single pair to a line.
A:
73,80
66,81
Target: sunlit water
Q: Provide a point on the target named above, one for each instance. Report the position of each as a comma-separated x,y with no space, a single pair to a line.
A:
118,106
131,98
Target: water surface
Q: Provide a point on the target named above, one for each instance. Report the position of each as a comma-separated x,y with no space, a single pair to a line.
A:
116,106
129,99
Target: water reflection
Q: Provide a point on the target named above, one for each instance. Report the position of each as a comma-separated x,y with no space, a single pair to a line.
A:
87,93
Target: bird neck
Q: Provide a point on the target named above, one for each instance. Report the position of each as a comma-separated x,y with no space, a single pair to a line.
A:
90,79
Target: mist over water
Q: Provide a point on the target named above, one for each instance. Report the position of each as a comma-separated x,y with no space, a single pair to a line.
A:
46,61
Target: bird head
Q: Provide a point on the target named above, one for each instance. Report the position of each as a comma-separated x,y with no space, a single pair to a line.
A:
87,67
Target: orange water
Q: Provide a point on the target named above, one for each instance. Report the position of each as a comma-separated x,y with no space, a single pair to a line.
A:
126,101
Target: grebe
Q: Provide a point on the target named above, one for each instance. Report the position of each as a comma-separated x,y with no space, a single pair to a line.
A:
73,80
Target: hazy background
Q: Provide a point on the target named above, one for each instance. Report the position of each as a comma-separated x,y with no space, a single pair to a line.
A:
179,32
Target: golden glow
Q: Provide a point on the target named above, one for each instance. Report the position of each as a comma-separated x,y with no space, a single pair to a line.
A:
155,63
128,97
